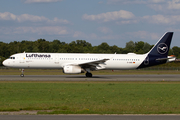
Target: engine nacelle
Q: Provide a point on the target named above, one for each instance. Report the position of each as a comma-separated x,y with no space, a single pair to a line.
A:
72,69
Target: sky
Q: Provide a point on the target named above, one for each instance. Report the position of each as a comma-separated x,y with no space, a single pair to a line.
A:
115,22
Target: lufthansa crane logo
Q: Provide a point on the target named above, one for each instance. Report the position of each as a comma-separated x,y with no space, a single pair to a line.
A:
162,48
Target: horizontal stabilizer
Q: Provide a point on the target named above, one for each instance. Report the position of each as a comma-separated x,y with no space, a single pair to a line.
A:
173,58
159,59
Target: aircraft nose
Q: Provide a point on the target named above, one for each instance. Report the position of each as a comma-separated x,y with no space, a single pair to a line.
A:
5,63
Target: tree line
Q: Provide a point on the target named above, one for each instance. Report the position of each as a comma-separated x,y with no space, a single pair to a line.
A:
78,46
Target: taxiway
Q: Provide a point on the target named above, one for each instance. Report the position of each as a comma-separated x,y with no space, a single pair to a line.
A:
90,117
170,77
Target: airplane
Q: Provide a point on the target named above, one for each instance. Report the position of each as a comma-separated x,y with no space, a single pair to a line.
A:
74,63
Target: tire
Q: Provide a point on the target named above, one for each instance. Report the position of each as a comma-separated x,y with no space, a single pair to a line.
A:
22,75
88,74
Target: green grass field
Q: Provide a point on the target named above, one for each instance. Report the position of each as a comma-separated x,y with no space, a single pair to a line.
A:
91,97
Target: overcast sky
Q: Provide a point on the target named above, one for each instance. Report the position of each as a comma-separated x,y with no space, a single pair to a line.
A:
113,21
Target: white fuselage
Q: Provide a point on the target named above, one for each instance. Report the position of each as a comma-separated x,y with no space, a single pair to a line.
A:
59,60
74,63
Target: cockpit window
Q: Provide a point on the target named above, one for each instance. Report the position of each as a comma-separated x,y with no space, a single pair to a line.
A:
11,57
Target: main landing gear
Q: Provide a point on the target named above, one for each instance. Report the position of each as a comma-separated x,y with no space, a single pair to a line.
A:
88,74
22,73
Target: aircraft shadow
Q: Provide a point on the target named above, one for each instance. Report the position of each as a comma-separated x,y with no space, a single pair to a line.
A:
104,77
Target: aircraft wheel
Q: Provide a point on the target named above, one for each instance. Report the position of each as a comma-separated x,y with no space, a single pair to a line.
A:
88,74
22,75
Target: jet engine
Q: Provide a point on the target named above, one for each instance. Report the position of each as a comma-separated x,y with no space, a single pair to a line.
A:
72,69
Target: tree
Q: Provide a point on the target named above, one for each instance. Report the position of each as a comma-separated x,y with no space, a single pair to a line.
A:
80,46
4,49
115,49
43,45
54,46
176,51
1,60
104,48
139,47
146,47
130,47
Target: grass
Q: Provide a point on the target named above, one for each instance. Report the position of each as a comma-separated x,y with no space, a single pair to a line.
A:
91,97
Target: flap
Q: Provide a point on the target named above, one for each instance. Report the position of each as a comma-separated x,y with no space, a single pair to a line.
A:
90,63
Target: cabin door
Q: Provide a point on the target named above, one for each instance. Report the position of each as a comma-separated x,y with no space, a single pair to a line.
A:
56,61
22,59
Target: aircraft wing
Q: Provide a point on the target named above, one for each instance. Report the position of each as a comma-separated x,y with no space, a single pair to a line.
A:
92,64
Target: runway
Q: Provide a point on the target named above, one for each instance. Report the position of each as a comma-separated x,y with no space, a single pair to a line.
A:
89,117
151,78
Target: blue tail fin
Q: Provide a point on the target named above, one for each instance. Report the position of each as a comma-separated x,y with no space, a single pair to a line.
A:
159,53
161,48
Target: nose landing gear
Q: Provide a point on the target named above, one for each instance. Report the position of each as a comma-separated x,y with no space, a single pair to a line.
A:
22,73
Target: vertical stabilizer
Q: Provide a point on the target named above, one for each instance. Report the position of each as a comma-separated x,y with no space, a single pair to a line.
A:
159,53
162,47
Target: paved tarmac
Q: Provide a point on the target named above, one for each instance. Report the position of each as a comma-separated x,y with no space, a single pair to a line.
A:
89,117
170,77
